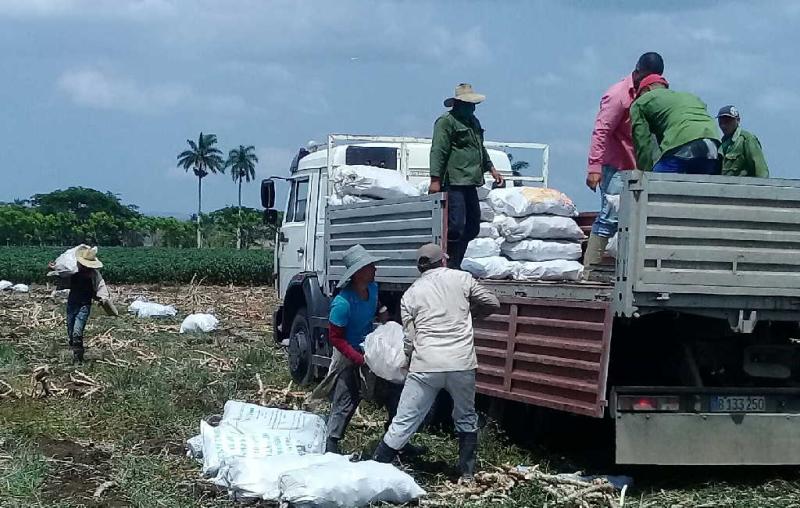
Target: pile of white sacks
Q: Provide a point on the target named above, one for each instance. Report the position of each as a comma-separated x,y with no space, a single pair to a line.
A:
527,233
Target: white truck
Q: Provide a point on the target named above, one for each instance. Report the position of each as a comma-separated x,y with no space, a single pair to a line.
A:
692,350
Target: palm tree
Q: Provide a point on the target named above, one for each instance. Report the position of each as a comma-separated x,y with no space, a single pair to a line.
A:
204,158
242,162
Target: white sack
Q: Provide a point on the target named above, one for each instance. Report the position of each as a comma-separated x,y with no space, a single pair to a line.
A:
541,250
225,442
557,269
483,190
369,181
143,309
611,248
543,227
346,200
67,263
20,288
488,230
194,447
199,323
307,429
248,478
348,485
524,201
487,213
483,248
494,267
4,284
383,352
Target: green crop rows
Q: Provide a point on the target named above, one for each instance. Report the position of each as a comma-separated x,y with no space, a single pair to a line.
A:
126,265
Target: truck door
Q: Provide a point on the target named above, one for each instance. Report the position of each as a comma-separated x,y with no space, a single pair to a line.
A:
292,237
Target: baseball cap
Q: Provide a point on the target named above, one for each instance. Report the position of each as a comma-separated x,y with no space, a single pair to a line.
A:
730,111
430,253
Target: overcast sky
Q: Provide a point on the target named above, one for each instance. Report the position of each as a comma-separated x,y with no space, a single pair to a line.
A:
104,93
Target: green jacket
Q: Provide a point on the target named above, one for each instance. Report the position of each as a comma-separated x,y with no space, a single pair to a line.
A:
457,153
675,118
742,156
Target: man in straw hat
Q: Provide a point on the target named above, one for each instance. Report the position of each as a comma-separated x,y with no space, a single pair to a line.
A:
437,312
457,163
84,286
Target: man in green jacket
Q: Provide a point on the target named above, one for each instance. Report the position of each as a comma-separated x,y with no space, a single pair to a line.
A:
686,134
740,151
457,163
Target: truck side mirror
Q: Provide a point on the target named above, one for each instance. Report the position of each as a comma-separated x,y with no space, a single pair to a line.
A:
271,217
268,193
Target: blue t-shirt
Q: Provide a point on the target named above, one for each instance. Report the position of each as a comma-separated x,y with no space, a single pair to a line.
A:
355,315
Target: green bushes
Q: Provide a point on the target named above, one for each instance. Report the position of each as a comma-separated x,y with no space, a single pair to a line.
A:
128,265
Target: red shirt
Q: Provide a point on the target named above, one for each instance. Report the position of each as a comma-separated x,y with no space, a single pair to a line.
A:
612,139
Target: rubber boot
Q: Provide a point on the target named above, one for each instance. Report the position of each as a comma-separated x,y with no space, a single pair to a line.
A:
467,454
595,249
332,445
384,453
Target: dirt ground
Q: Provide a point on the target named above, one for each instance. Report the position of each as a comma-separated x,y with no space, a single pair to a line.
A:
111,432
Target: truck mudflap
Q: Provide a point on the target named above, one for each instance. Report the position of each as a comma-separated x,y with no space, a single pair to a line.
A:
547,352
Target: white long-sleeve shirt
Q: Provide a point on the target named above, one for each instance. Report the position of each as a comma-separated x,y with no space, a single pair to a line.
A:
437,320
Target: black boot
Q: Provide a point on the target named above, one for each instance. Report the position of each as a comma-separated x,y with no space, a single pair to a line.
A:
383,453
467,454
332,445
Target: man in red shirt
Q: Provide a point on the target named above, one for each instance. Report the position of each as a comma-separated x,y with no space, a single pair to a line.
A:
611,151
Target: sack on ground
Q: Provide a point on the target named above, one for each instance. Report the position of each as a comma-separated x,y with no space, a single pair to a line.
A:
384,354
67,263
369,181
493,267
483,248
199,323
225,442
308,430
5,284
144,309
488,230
20,288
543,227
487,212
348,485
249,478
556,270
611,248
524,201
541,250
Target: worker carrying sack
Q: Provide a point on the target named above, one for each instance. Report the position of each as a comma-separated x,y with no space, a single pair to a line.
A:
384,354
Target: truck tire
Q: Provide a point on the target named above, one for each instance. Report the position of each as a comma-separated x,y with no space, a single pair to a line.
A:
301,349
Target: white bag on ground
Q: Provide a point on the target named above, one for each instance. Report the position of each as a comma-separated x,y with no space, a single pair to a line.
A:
493,267
348,485
4,284
67,263
383,352
20,288
487,213
543,227
143,309
346,200
307,429
226,442
557,269
199,323
483,248
524,201
541,250
488,230
611,248
249,478
379,183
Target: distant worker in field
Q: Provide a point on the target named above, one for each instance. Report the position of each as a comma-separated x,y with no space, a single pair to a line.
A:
740,151
84,286
457,163
611,153
686,134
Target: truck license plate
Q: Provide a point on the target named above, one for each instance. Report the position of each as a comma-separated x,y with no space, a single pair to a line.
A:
738,404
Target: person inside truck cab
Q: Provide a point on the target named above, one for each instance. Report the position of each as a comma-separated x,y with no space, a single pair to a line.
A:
458,161
740,151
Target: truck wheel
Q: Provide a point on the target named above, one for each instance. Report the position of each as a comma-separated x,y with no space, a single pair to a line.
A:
300,349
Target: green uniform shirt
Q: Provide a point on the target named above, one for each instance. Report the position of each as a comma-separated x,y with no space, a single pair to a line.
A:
675,118
457,153
742,156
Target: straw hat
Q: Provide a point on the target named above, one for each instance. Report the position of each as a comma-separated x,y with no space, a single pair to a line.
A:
88,257
464,93
355,258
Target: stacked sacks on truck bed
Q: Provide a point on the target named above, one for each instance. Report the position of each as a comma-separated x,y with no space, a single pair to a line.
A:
356,184
537,237
483,258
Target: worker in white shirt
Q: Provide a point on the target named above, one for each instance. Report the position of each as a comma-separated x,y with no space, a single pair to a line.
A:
437,313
